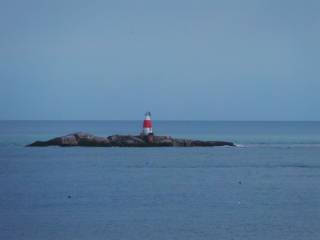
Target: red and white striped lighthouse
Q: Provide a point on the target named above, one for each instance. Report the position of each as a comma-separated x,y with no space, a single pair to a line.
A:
147,124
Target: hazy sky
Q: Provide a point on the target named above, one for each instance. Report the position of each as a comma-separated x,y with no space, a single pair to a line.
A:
210,60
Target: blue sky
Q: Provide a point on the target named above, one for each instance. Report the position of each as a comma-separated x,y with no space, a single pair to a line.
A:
182,60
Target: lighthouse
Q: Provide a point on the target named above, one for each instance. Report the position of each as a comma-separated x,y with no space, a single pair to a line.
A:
147,125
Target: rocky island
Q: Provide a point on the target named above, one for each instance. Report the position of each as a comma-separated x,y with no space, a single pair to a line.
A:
146,139
89,140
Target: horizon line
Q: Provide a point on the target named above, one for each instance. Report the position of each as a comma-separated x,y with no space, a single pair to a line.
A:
156,120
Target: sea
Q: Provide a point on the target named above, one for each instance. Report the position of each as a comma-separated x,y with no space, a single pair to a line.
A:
268,187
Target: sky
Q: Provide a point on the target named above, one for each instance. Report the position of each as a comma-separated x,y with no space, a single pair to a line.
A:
179,59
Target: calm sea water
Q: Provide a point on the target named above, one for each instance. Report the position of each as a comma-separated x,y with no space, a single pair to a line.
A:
267,188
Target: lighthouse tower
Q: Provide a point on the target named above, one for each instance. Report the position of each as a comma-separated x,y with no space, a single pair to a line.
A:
147,125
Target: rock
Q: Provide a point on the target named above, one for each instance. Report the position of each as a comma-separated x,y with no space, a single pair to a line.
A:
89,140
